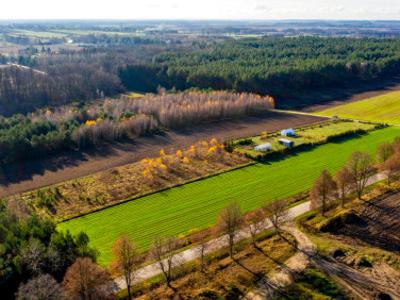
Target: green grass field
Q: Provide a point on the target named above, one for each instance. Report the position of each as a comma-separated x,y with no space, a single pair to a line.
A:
197,204
385,108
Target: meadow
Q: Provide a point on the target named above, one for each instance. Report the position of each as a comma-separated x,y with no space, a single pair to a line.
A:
196,205
384,108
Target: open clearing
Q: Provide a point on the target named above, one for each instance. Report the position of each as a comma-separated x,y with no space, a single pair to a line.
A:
384,108
196,205
30,175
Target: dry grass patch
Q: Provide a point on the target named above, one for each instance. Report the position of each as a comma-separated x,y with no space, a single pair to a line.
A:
223,278
80,196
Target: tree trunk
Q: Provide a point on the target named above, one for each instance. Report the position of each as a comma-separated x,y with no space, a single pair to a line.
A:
129,292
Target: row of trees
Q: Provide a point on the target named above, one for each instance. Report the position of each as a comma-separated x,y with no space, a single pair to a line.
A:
68,127
126,259
355,175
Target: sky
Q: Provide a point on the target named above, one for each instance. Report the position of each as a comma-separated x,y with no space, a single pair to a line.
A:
201,9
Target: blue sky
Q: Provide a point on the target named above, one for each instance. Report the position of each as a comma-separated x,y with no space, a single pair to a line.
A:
200,9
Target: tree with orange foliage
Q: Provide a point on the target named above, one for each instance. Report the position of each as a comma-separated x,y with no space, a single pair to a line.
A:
84,280
125,261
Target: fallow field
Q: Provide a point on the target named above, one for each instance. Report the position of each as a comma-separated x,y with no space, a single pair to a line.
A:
384,108
196,205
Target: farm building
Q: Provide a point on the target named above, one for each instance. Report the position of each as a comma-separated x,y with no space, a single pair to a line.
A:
263,147
288,132
287,143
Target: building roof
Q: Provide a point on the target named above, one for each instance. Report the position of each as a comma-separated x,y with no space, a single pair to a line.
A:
286,141
263,147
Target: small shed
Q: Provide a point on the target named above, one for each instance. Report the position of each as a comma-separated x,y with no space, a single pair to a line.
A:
288,132
287,143
263,147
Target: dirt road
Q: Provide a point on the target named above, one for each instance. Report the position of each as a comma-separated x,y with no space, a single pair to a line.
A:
31,175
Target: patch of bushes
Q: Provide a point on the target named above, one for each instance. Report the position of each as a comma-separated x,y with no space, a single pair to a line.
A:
335,223
313,284
364,262
245,142
46,198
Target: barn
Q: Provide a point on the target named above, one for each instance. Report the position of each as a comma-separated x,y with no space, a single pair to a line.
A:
288,132
263,147
287,143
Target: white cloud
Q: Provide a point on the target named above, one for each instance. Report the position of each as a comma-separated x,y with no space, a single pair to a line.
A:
200,9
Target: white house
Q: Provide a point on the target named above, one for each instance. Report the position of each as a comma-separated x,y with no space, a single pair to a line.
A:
263,147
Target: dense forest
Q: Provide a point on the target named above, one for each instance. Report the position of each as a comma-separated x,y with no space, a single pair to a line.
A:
282,67
69,127
286,68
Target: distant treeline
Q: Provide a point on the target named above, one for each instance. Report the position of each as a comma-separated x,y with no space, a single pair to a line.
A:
282,67
73,127
286,68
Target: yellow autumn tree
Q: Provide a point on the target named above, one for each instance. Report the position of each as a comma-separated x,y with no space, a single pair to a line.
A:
90,123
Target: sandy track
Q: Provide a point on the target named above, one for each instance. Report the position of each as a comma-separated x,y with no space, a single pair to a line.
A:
31,175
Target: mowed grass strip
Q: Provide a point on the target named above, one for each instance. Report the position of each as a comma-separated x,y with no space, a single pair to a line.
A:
384,108
196,205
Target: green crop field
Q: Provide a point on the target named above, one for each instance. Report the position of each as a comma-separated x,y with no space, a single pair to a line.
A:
196,205
385,108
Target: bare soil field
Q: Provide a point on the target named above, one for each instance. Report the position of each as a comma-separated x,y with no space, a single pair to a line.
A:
17,178
378,224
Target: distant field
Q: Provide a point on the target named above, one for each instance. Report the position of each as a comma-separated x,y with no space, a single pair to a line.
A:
197,204
385,108
39,34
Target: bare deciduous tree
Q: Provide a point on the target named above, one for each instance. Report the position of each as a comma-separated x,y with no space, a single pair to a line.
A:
84,280
229,221
323,190
343,181
163,252
361,170
391,166
32,256
125,260
276,213
42,287
201,239
255,222
385,150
